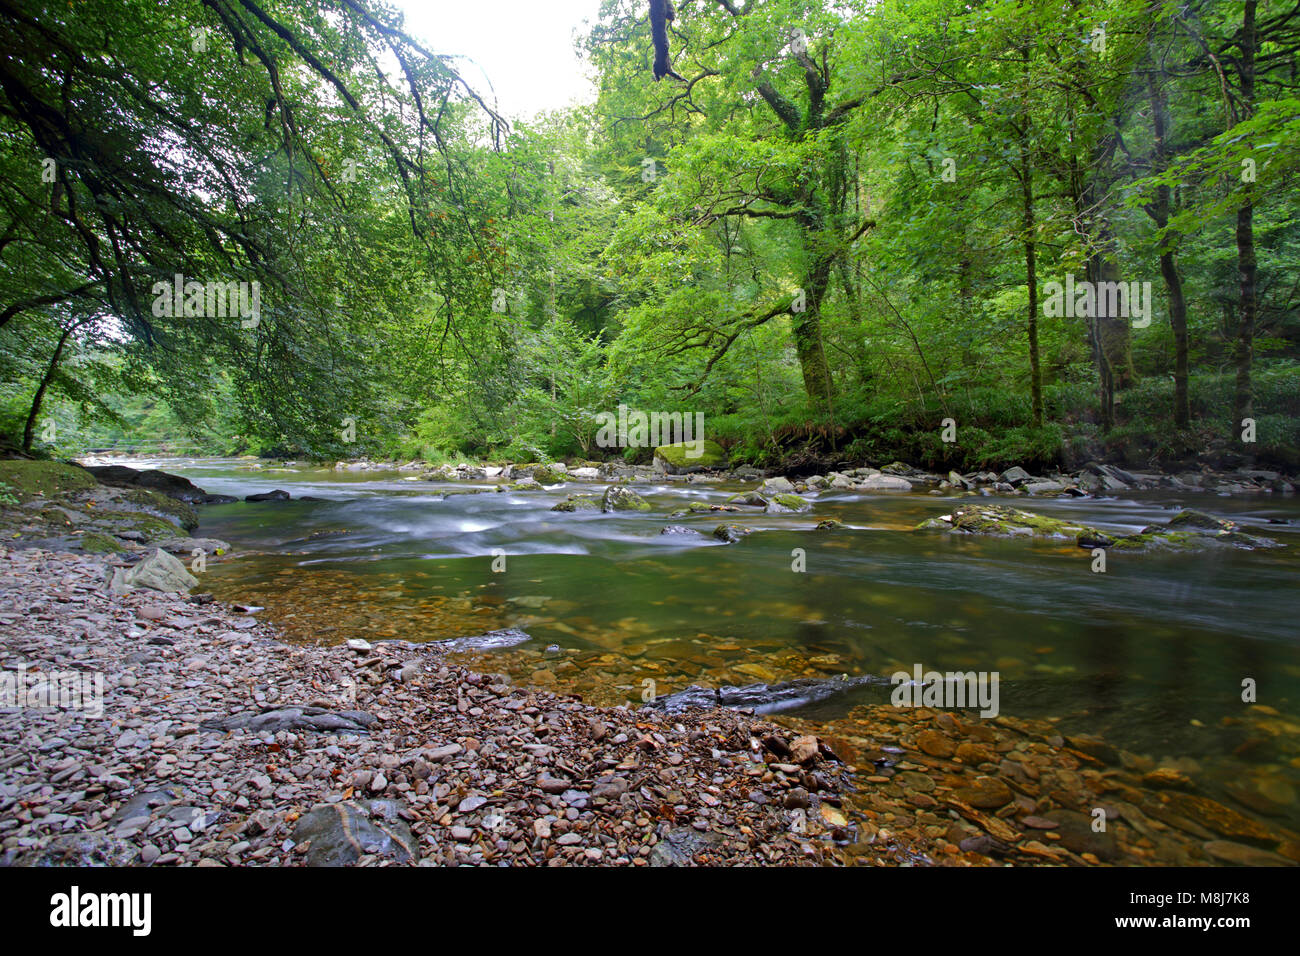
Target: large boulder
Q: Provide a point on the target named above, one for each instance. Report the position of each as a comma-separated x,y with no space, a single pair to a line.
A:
688,456
159,572
173,486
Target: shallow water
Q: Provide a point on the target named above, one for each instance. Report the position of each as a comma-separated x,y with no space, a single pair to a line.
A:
1150,654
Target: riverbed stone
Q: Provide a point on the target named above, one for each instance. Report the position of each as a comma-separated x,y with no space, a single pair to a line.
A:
340,834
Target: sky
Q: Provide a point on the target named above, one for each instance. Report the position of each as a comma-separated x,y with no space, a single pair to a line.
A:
524,47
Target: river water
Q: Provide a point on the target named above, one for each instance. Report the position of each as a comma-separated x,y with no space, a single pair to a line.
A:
1151,654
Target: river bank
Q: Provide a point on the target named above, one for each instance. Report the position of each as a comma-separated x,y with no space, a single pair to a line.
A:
220,745
1092,478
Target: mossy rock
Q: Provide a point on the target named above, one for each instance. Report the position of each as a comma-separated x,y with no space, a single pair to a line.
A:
788,502
731,533
93,543
999,520
577,503
1190,519
546,475
1186,530
151,526
690,455
699,507
164,506
829,524
1193,529
622,498
30,479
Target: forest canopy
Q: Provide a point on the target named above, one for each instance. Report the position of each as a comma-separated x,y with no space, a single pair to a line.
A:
1069,228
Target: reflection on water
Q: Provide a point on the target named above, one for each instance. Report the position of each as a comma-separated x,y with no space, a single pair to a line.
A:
1151,654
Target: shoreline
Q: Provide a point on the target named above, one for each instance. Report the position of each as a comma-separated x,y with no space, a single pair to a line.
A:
1093,479
222,745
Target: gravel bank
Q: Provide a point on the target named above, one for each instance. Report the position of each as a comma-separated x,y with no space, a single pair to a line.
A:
220,745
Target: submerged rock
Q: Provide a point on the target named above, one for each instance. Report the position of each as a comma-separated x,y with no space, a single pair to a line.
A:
276,495
492,640
761,698
731,533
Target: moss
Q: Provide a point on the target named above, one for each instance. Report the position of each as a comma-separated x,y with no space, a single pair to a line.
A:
546,475
792,502
28,479
829,524
679,455
577,503
159,504
1186,530
151,526
1188,518
99,543
697,507
1000,520
622,498
731,533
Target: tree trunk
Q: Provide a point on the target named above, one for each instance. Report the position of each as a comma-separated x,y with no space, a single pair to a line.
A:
808,344
39,398
1031,278
1244,351
1159,212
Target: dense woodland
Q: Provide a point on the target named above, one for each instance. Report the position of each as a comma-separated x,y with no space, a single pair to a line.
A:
843,225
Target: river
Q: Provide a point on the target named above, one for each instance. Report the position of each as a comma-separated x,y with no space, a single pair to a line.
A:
1151,654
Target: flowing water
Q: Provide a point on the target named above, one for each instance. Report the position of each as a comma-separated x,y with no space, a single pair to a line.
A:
1151,654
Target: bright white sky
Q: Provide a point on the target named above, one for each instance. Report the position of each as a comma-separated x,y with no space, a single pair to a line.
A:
525,47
